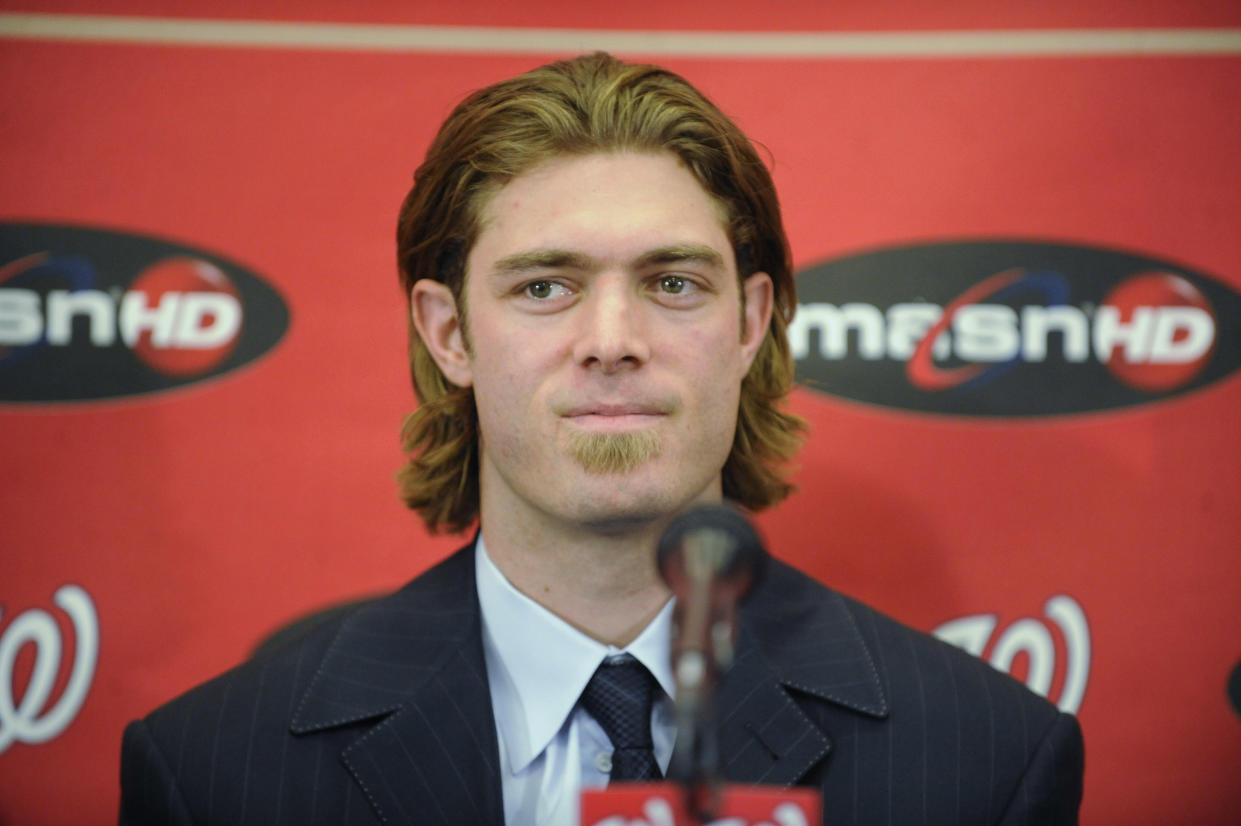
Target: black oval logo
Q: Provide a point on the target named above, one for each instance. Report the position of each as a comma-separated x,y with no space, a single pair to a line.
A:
88,314
1011,328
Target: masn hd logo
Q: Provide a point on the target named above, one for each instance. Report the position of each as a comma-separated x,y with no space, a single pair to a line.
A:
92,314
1011,328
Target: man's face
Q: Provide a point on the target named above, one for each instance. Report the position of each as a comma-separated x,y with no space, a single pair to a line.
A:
608,338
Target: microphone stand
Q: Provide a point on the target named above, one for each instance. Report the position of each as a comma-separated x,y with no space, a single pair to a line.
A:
709,556
704,647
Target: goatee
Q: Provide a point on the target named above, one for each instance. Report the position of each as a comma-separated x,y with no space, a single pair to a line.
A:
604,453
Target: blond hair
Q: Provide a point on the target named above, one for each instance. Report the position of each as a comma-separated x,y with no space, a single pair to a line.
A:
594,103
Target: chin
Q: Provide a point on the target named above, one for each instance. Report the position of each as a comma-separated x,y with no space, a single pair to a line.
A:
622,503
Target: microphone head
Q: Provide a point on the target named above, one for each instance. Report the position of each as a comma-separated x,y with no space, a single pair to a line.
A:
715,541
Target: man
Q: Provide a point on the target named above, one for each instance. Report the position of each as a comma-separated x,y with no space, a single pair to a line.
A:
599,286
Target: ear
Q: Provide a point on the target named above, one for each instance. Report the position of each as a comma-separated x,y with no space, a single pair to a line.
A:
439,326
756,293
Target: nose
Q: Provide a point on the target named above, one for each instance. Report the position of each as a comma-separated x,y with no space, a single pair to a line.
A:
612,335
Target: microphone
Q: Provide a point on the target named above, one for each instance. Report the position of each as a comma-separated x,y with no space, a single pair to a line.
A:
709,556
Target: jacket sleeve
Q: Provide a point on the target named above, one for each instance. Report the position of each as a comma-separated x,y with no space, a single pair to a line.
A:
149,792
1050,791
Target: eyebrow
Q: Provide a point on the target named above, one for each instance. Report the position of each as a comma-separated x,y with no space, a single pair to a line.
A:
542,260
682,254
566,259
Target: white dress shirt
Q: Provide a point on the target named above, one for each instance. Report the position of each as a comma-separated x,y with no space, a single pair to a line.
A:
537,667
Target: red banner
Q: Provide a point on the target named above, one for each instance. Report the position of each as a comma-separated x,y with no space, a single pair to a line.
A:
202,344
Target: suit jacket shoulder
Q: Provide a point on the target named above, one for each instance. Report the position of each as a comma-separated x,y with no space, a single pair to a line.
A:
322,730
919,730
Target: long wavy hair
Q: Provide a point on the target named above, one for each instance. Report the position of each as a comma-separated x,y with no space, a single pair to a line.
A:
594,103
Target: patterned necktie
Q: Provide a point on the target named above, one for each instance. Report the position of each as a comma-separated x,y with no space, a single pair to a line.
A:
619,697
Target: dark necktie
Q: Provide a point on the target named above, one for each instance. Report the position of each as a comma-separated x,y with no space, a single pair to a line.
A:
619,697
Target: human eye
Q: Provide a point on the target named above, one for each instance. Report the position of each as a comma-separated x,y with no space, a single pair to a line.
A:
676,289
544,290
544,295
673,284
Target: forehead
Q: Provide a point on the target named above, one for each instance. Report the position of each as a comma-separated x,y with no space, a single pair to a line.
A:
604,204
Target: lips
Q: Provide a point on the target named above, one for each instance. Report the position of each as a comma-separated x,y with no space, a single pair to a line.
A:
614,410
615,416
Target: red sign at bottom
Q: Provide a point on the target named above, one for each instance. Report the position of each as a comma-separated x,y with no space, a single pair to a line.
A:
663,804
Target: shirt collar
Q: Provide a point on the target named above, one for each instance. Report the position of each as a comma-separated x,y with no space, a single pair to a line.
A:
538,665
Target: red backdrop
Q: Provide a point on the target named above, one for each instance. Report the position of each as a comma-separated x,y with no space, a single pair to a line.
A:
1096,549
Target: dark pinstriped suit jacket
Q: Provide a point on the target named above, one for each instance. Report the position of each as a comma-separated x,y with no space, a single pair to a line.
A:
386,718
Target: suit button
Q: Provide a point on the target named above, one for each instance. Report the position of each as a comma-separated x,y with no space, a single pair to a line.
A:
603,762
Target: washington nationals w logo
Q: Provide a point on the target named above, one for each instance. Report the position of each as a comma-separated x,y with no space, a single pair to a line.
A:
27,719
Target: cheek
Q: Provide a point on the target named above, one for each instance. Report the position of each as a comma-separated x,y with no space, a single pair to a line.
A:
509,389
713,375
717,355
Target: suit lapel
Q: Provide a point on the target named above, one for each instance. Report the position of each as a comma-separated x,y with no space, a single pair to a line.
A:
413,664
796,638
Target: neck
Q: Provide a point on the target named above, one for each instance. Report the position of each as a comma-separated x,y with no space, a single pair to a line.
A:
604,584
